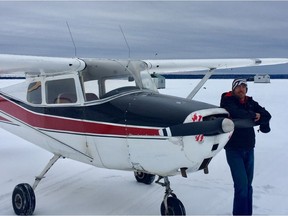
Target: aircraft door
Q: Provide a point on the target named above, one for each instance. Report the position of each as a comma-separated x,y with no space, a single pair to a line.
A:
64,116
106,139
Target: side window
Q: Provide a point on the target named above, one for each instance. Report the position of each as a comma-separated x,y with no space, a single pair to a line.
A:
91,89
61,91
34,93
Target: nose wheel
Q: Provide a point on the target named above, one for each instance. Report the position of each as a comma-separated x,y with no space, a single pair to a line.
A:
170,205
173,206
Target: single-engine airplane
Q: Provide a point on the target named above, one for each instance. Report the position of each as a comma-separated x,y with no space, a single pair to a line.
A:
109,114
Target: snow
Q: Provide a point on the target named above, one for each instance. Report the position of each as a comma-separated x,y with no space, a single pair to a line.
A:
72,188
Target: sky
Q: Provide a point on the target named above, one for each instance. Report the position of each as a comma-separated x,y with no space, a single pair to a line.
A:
152,29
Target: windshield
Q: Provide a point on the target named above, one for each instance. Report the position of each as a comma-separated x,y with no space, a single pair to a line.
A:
105,78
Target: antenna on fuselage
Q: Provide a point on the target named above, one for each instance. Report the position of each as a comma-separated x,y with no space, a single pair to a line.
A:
125,41
75,49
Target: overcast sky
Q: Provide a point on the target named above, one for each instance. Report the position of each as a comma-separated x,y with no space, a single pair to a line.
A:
153,29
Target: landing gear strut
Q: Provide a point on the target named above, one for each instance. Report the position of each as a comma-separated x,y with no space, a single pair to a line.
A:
23,197
170,205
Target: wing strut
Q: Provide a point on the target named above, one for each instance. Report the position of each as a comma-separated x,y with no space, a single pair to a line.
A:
200,84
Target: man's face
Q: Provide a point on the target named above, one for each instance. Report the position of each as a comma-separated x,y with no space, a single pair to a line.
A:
240,91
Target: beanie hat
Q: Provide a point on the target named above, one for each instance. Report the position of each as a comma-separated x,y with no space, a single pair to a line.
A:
237,82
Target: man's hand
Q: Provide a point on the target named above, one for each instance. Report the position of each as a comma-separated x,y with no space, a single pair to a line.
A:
257,118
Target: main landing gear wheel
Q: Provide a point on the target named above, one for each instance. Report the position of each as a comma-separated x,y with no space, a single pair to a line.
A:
144,177
170,205
23,199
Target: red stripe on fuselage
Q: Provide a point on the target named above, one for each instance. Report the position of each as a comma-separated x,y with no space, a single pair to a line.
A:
46,122
4,119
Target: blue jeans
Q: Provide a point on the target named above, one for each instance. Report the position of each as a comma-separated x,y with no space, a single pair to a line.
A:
241,163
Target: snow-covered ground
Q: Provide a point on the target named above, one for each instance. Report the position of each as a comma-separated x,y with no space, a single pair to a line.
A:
72,188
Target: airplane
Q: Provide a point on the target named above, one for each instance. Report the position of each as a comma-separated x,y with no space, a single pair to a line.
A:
108,113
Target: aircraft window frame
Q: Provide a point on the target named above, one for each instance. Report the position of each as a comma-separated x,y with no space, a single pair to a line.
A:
61,91
34,92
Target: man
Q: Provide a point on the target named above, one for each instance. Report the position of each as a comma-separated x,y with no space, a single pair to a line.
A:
240,148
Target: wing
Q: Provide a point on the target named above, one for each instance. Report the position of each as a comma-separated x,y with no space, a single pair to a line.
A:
21,64
190,65
182,65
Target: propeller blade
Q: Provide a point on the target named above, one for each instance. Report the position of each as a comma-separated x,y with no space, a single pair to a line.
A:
244,123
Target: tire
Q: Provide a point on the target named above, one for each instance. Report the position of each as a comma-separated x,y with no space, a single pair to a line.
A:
23,199
144,177
175,207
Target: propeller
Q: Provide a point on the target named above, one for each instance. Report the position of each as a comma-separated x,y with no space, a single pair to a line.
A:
211,127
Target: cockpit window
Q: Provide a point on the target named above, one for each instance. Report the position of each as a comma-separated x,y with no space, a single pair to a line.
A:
105,78
118,82
91,90
147,81
34,93
61,91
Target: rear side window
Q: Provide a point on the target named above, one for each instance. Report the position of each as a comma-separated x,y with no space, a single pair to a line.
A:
34,93
61,91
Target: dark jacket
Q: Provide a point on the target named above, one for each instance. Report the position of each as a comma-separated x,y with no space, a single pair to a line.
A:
244,137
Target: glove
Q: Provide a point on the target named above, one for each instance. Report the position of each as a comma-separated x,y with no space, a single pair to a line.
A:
265,128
